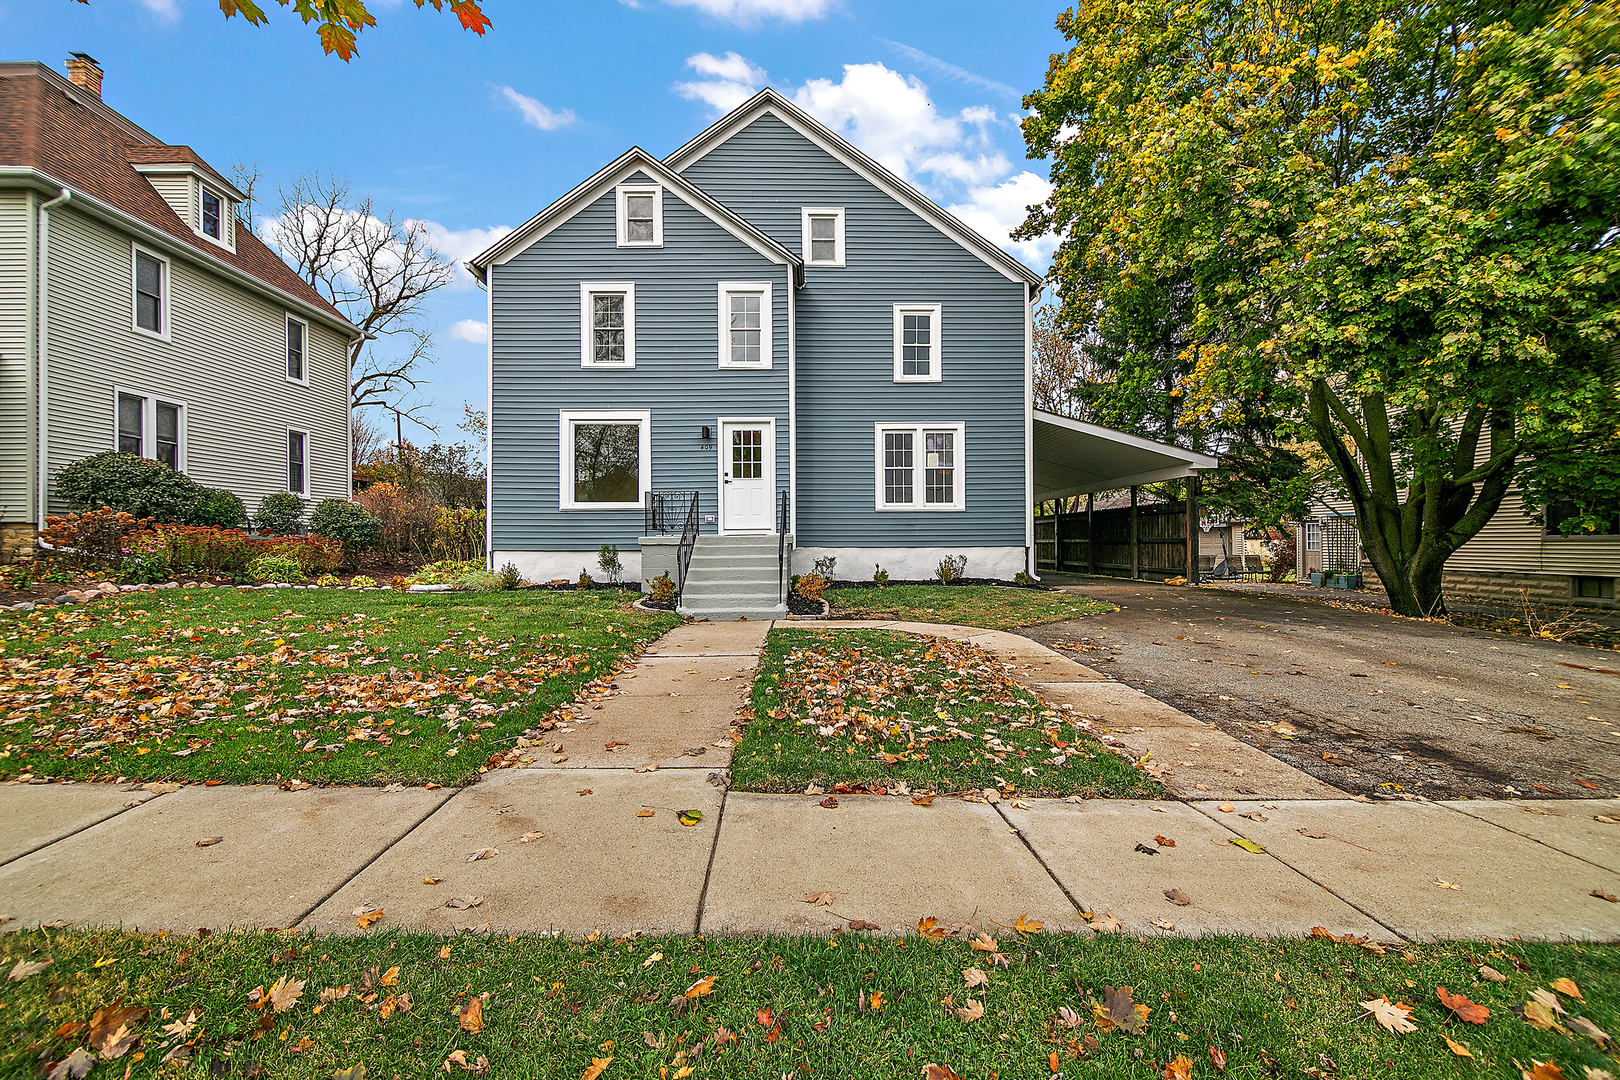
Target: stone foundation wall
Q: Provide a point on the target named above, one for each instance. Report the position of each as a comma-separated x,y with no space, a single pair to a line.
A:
1513,589
16,542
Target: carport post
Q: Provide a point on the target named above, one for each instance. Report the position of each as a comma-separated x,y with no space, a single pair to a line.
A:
1192,529
1091,534
1136,560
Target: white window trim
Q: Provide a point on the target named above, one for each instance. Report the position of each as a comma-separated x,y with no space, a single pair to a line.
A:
301,322
621,225
936,355
1313,529
226,213
767,323
164,305
586,352
919,464
149,404
285,446
838,233
566,419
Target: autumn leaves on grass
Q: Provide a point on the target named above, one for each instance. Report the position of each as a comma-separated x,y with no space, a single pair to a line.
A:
869,710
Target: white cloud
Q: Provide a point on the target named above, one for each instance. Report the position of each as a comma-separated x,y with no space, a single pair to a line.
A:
754,12
731,81
994,210
537,115
473,330
166,10
459,245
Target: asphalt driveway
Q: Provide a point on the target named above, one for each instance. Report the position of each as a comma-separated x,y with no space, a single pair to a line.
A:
1365,701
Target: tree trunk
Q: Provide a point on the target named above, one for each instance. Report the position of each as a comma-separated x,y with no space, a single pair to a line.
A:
1408,532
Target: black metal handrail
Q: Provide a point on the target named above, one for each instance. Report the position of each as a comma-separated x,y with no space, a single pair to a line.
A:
683,552
781,543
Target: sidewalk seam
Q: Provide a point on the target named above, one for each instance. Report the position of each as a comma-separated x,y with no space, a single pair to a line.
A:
386,848
1079,910
708,871
1522,836
1284,862
120,812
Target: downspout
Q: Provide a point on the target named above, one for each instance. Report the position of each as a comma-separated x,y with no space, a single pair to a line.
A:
43,364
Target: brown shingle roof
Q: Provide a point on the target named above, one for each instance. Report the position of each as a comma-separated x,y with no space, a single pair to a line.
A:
44,125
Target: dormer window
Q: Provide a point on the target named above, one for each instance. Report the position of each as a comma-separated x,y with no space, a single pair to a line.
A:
212,215
641,215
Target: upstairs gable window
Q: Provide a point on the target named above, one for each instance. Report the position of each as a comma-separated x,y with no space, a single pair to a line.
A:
607,314
822,228
745,324
918,346
212,215
640,215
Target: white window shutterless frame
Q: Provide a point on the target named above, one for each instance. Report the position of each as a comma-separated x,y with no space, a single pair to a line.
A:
821,229
918,349
746,330
604,459
149,293
607,324
747,475
297,461
920,466
151,426
640,215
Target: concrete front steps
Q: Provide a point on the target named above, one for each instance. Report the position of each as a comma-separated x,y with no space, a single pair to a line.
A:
733,577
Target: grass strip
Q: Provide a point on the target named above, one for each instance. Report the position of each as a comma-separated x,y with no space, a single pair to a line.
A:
994,607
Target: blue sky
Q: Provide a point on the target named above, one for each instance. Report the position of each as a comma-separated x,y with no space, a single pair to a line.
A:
473,135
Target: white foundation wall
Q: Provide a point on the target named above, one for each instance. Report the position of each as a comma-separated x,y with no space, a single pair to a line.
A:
912,563
544,566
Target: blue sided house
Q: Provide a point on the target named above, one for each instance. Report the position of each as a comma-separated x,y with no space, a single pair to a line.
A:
763,350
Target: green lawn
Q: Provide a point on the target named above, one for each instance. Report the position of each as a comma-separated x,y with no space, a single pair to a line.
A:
849,707
993,607
549,1006
323,686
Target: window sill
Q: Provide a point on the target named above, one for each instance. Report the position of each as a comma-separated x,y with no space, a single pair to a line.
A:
596,507
298,382
762,366
141,330
920,378
222,245
642,244
882,509
631,366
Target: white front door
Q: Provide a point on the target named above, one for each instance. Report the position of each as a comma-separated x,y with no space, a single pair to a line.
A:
747,475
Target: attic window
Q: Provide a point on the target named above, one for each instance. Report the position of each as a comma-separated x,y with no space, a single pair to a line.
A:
641,215
212,215
822,229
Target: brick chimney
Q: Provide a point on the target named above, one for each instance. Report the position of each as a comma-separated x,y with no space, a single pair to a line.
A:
84,71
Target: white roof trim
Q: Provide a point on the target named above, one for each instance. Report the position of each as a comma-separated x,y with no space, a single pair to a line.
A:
769,101
634,160
1194,460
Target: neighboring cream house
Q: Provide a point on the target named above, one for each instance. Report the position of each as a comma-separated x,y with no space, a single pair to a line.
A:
138,314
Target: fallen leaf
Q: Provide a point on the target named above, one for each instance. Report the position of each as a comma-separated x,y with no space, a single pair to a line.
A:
653,959
1313,834
1440,883
1547,999
722,1037
1053,1062
1540,1017
472,1016
862,924
1490,974
368,917
1164,841
939,1072
1456,1047
444,952
389,977
875,1002
433,881
1179,1069
26,968
483,853
1606,819
922,800
1601,895
353,1072
79,1063
530,837
285,994
1177,897
209,841
1025,925
1217,1058
984,943
646,813
597,1066
1582,1026
462,903
818,899
973,1010
691,817
702,987
182,1027
1106,923
829,803
1163,924
1466,1011
459,1058
1144,849
1390,1016
1567,988
1247,845
335,993
1226,808
1068,1017
1119,1011
975,977
927,927
1542,1070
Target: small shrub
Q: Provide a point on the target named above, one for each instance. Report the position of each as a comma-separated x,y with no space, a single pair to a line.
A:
146,568
584,583
360,581
398,583
280,512
445,572
350,524
329,581
133,485
478,581
274,569
406,517
511,577
1023,578
810,587
1281,557
880,577
217,508
825,566
661,590
607,560
951,568
458,533
94,536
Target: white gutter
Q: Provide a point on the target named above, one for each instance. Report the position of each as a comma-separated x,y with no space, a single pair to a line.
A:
42,360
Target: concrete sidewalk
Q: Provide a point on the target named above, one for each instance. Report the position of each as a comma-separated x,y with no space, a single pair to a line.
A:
573,854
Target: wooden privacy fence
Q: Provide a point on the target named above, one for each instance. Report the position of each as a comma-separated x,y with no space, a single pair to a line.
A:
1121,542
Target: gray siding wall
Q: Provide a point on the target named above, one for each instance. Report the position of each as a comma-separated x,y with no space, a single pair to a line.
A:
15,331
536,357
766,172
225,361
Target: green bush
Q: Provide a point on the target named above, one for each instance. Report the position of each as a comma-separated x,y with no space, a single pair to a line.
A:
130,484
444,572
280,513
360,581
478,581
329,581
584,583
511,577
217,508
951,568
607,561
267,569
350,524
150,568
661,590
880,577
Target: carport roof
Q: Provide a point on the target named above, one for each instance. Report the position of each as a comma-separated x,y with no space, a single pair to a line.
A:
1073,457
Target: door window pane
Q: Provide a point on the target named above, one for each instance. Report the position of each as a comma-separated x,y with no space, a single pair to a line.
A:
745,328
295,350
129,424
210,214
607,328
916,341
607,463
823,238
296,461
148,293
939,467
168,435
638,218
748,454
897,467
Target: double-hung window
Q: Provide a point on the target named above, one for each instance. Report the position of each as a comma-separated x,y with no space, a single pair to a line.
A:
640,215
151,427
150,293
605,459
918,349
297,461
919,467
822,231
607,324
297,337
212,215
745,324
